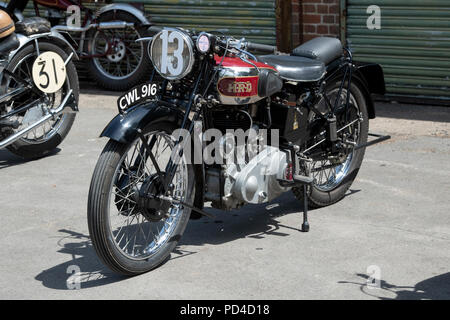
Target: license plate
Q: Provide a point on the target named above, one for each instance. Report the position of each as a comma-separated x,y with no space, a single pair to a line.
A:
136,95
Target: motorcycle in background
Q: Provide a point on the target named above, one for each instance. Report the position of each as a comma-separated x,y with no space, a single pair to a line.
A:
106,39
307,117
38,87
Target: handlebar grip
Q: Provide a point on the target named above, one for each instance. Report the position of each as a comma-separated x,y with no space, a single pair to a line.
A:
261,47
154,30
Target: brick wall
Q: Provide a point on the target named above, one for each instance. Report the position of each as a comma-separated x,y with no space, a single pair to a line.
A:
319,18
296,23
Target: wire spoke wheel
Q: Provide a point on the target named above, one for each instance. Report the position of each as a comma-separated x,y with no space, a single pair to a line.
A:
133,228
118,62
137,231
329,174
32,106
48,129
119,55
335,174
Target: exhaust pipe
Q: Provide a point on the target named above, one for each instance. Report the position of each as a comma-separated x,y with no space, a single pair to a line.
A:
68,105
115,25
101,25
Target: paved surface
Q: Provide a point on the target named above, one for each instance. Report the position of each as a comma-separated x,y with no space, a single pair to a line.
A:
395,217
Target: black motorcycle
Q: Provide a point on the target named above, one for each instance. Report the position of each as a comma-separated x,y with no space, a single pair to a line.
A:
38,89
305,118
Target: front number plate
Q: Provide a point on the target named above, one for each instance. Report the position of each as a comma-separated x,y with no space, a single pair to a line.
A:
136,95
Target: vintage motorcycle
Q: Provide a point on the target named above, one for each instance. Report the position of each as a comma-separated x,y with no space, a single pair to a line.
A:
314,106
105,39
39,87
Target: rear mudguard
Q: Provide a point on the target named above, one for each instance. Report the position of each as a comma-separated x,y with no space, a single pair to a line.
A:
124,128
116,7
370,77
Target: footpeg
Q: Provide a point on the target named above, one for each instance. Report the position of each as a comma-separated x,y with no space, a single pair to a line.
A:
9,123
304,180
379,138
297,181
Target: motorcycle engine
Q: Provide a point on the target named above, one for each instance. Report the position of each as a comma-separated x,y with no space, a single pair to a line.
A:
250,174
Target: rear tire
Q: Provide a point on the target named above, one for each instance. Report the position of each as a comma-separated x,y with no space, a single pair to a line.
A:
119,82
320,198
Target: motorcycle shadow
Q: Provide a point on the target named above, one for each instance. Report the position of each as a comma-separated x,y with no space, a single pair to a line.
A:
84,270
434,288
8,159
252,221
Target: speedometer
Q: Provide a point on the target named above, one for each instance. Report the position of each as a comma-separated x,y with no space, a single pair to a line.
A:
172,53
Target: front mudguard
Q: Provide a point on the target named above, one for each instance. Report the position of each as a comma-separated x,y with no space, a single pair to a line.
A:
125,128
53,37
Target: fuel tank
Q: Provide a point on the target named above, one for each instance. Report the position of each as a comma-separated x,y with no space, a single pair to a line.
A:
241,82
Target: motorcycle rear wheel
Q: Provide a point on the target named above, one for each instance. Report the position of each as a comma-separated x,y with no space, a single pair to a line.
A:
127,67
131,238
331,184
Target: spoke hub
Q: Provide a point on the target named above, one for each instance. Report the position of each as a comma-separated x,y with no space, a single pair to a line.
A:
149,203
118,49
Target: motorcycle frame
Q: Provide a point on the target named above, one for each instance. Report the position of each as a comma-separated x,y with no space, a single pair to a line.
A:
126,127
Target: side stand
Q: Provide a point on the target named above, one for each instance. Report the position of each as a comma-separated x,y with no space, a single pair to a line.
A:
305,225
305,182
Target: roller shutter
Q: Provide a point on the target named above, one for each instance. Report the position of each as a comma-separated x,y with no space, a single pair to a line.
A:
413,44
254,20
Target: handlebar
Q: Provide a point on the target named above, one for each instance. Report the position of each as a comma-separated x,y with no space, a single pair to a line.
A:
154,30
261,47
246,45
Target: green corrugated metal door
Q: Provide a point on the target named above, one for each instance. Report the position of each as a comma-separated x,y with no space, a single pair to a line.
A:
413,44
254,20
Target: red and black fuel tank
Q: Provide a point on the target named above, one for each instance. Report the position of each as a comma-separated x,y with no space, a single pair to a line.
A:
241,82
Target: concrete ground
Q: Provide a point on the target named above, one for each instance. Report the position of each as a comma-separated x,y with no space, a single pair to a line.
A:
395,221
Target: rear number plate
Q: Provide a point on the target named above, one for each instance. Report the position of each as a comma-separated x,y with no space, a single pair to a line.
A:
136,95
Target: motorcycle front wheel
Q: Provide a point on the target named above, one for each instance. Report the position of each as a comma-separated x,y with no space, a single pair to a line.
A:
45,138
130,232
119,62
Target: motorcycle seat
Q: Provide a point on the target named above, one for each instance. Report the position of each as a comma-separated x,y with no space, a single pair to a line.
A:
33,25
8,44
323,49
299,69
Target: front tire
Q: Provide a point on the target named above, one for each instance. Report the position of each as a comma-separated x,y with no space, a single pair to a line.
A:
119,176
35,145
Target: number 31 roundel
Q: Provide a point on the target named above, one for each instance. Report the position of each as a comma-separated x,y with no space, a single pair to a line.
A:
49,72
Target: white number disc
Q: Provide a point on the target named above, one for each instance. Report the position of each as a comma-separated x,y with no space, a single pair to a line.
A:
49,72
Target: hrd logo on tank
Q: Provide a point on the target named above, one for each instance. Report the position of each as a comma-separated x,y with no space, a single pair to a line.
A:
239,87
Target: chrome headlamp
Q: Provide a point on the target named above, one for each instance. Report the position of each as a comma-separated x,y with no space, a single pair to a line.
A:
172,53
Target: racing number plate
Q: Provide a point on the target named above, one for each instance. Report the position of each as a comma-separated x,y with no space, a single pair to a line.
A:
136,95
